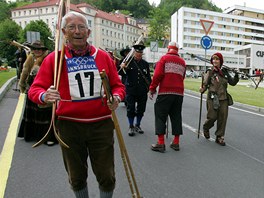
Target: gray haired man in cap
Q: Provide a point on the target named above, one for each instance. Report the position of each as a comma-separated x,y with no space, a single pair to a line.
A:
137,86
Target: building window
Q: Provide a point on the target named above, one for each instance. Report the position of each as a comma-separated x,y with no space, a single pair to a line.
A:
89,23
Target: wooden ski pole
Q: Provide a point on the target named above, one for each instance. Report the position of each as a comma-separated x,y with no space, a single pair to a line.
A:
200,113
167,128
122,147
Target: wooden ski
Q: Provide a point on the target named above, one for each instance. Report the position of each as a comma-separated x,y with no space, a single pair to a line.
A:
64,7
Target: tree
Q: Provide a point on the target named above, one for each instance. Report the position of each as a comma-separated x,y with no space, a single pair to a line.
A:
139,8
41,27
4,11
172,6
9,31
159,24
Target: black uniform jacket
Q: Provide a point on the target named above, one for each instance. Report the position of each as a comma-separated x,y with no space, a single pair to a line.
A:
137,82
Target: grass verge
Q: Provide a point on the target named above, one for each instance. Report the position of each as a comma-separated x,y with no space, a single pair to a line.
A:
6,75
246,94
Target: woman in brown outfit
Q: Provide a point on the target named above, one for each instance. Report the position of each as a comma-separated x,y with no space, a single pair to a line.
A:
36,119
216,81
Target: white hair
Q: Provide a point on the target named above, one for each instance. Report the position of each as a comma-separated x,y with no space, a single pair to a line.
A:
72,13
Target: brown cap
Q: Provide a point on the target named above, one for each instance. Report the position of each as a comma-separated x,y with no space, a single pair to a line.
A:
37,45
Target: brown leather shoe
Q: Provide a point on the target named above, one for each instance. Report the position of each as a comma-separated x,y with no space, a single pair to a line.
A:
220,140
175,147
158,147
206,134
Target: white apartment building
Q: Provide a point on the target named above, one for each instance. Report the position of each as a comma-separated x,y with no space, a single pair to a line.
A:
109,30
236,33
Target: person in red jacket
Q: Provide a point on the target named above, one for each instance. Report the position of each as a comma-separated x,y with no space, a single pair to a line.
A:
169,76
83,114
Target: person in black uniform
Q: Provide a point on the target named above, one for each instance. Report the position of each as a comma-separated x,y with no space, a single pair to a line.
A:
21,56
137,84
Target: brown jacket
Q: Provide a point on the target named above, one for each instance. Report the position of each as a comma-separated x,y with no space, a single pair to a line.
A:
217,84
30,69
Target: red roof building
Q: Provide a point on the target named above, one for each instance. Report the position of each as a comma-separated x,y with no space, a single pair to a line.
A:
109,30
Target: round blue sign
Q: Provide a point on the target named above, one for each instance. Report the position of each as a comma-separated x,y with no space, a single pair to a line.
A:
206,42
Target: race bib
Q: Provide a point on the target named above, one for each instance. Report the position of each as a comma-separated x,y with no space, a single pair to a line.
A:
84,78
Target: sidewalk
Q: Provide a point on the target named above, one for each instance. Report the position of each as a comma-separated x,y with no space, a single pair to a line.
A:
6,87
8,103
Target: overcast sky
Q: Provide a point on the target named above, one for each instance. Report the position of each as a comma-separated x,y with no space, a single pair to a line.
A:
223,4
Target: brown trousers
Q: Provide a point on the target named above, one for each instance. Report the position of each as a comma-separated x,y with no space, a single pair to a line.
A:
220,115
95,140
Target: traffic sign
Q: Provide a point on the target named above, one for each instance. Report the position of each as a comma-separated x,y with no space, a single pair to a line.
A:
206,42
207,25
154,46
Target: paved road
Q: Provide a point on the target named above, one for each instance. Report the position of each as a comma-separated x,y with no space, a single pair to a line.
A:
201,169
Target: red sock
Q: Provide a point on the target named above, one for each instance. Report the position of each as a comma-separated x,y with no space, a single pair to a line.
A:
161,139
176,139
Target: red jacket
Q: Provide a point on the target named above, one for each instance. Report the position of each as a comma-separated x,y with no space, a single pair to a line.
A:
79,111
169,75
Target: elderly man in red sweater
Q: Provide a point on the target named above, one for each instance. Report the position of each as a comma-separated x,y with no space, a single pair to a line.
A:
83,118
169,76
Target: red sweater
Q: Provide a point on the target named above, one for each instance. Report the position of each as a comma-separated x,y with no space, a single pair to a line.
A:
79,111
169,75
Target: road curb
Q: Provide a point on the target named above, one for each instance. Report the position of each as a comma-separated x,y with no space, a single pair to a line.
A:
7,86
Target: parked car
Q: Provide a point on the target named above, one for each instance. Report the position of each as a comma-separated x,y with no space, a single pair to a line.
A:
196,74
188,73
